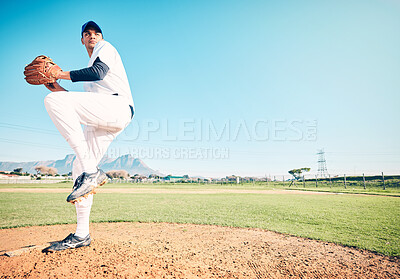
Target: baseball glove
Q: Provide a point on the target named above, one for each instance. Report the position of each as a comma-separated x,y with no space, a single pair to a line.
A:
42,70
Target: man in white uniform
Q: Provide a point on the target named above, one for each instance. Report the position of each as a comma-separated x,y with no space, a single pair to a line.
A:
105,109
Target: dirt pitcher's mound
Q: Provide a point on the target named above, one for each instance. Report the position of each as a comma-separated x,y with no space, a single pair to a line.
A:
141,250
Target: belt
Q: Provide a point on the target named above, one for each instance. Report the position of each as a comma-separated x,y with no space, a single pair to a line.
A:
131,108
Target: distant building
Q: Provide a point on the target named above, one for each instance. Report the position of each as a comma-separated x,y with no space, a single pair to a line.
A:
14,176
171,178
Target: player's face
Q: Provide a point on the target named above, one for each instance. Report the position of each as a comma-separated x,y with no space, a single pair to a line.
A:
90,38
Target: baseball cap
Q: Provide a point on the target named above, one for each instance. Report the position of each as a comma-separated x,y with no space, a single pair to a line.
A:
90,24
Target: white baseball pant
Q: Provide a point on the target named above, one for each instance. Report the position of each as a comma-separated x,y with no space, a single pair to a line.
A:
104,116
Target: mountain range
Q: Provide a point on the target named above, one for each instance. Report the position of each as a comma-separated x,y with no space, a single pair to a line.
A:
126,162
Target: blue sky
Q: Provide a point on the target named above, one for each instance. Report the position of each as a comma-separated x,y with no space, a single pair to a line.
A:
264,83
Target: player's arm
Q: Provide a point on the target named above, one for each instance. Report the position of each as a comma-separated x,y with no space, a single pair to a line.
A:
94,73
64,75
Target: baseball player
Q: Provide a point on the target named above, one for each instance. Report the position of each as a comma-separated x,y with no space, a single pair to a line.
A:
104,109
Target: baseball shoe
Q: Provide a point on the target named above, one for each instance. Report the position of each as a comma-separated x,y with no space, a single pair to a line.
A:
86,184
70,242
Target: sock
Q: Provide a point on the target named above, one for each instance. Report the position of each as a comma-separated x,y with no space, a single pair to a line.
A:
82,216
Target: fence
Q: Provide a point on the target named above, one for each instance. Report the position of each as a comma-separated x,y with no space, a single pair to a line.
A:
345,181
361,182
32,181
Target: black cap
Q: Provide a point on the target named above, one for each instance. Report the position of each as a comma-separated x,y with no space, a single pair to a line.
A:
91,25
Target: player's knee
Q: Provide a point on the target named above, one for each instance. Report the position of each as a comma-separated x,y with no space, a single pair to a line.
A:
51,99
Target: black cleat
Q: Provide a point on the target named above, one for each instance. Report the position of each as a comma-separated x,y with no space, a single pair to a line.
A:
85,185
70,242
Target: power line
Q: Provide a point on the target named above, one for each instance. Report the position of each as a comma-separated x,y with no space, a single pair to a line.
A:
20,142
27,128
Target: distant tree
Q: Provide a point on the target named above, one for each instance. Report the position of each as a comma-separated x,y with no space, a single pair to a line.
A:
18,170
296,173
52,171
186,176
46,170
118,174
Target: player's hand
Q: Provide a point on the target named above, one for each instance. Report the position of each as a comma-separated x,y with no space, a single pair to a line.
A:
53,87
42,70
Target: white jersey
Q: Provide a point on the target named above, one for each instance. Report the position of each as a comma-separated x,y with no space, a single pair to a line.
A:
115,80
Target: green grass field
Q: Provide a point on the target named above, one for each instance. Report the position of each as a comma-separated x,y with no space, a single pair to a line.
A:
367,222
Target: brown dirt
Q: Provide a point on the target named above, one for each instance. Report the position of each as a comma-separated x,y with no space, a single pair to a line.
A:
162,250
